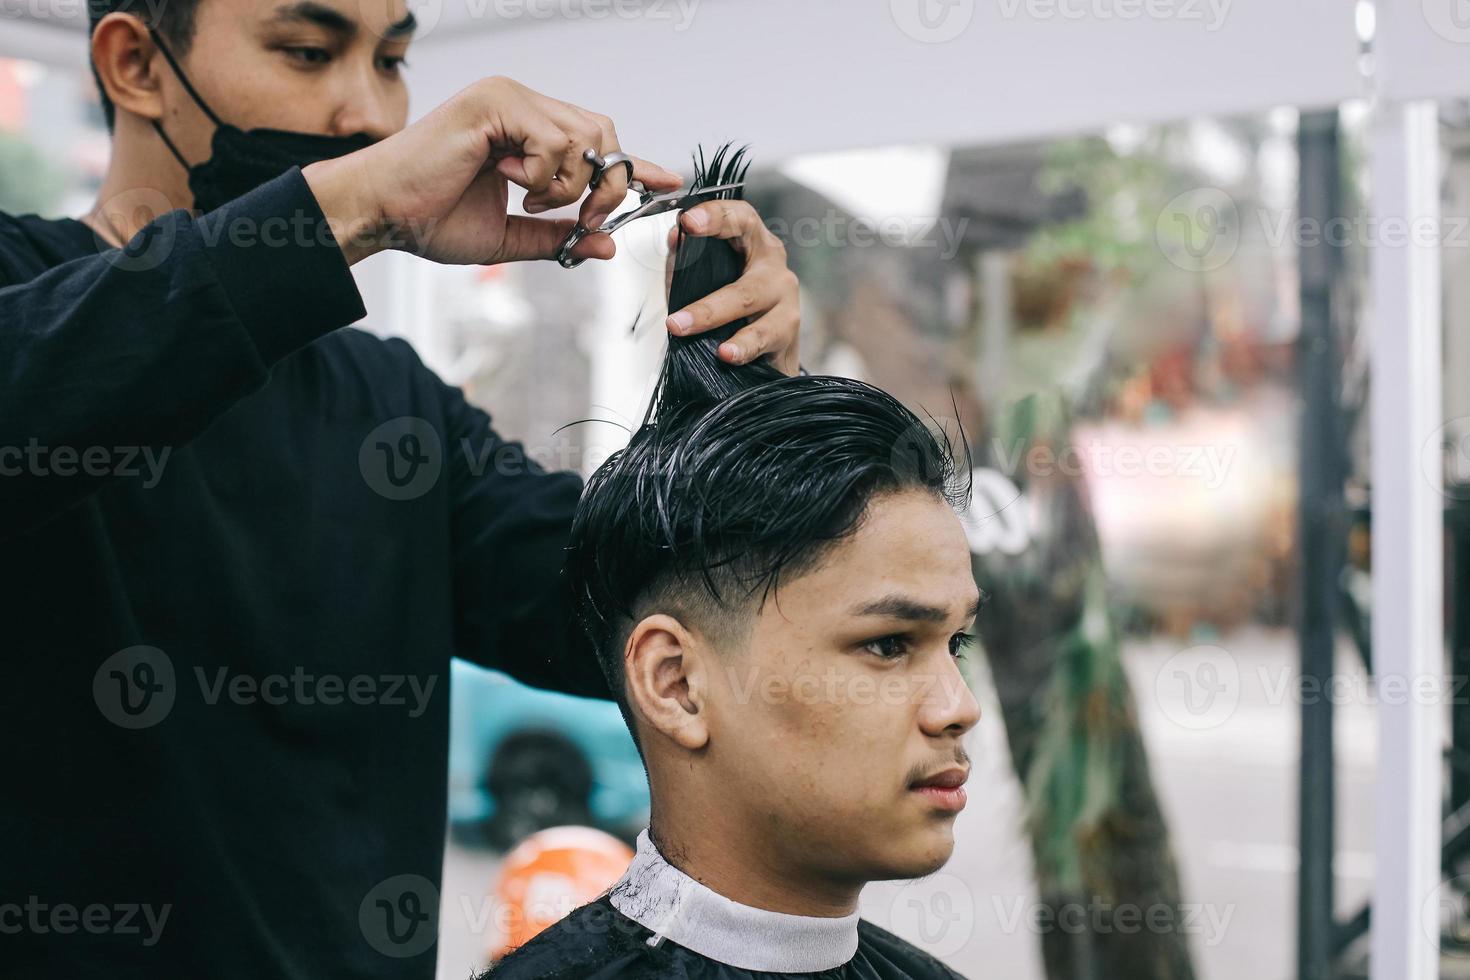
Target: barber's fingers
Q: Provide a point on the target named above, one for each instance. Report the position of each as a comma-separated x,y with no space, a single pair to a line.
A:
537,162
773,333
579,132
604,200
527,132
594,131
735,221
766,278
765,290
540,238
770,300
613,187
654,177
537,142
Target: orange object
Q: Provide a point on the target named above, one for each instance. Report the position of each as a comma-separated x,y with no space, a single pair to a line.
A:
549,874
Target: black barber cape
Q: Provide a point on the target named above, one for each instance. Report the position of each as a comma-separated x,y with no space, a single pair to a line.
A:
240,546
659,922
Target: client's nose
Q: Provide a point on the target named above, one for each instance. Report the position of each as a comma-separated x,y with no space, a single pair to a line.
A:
949,707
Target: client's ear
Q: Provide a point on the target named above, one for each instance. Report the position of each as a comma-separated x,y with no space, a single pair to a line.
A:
664,679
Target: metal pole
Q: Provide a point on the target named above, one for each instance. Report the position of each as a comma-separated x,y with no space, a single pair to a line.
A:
1408,628
1321,512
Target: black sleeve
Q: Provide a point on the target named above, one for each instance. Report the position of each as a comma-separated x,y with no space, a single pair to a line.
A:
143,347
511,522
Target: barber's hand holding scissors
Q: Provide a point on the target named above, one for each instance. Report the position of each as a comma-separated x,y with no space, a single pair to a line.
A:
438,189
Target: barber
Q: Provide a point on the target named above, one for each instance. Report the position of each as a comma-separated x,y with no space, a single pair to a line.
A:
241,541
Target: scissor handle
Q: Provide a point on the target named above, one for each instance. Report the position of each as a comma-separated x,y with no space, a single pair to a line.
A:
648,203
564,256
601,164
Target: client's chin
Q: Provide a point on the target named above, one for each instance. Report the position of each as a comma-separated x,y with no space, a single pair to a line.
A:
924,853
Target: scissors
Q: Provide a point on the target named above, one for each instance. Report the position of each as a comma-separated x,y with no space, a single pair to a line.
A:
649,204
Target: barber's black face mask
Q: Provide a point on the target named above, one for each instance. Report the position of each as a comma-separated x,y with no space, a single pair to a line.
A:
241,161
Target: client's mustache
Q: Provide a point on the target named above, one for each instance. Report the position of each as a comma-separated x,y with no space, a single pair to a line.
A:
961,760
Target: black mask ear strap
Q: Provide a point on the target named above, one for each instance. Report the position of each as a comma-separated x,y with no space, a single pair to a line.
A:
184,79
170,144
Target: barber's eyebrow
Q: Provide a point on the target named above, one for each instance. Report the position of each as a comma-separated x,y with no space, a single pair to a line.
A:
402,28
902,607
338,22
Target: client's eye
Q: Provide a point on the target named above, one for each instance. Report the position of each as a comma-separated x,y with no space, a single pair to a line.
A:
888,647
959,643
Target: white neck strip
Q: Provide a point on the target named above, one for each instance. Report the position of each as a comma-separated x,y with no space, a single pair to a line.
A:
663,899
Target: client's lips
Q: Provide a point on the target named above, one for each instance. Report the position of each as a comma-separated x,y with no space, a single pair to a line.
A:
944,789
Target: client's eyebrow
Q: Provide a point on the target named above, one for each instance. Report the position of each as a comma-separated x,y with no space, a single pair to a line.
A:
902,607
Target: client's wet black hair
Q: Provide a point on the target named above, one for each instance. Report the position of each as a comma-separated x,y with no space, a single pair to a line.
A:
737,476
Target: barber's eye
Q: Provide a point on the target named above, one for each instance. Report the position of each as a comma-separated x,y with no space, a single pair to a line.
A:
888,647
310,56
959,643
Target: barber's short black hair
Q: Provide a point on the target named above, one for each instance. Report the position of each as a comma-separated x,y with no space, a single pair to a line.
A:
173,19
738,476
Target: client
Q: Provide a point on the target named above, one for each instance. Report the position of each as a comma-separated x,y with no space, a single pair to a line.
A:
777,587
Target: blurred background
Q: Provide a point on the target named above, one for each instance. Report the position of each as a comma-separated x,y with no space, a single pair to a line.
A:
1129,250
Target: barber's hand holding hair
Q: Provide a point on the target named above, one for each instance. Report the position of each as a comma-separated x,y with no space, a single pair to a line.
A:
767,290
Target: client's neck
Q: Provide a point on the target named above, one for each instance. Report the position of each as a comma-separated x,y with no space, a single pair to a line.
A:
742,860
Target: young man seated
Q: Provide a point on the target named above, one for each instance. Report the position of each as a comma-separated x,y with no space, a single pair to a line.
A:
778,588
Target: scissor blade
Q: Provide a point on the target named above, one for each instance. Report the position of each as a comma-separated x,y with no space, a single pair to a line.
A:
703,191
678,199
664,203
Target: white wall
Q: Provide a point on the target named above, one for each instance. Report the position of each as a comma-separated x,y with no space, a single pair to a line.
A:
1422,48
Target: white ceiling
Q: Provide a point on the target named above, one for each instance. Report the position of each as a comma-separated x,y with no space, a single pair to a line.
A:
792,76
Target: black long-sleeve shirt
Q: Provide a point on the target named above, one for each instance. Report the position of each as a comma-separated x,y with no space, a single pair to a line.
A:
240,545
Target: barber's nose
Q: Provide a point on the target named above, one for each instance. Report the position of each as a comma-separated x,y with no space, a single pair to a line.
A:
367,110
374,122
949,707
